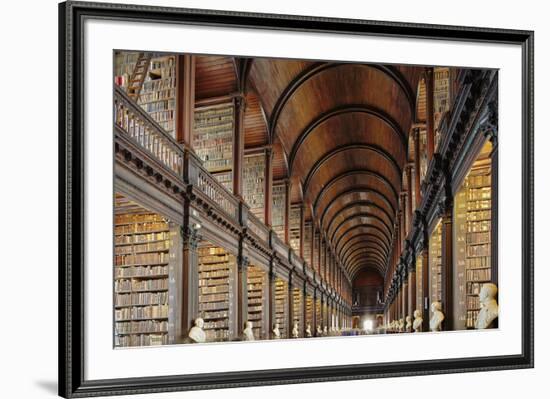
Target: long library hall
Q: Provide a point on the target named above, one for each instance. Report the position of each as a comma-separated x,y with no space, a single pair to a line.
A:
259,198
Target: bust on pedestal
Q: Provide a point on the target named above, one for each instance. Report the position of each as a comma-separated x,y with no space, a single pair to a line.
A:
248,333
489,306
408,324
308,331
417,323
276,331
319,331
401,325
295,330
437,316
325,331
196,333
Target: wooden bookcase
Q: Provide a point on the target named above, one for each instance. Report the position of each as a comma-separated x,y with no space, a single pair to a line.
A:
142,245
318,315
307,243
309,313
281,306
125,62
294,228
254,183
419,283
442,98
213,141
256,287
278,210
434,259
472,240
297,310
158,93
217,271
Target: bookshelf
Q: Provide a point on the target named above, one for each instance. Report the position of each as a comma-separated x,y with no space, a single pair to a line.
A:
318,314
419,290
316,264
472,240
213,141
309,313
423,154
158,93
441,98
217,270
307,242
294,228
142,244
125,62
254,183
278,210
297,309
281,306
434,260
256,287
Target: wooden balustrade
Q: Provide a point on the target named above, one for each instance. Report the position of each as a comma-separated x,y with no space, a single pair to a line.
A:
139,128
146,133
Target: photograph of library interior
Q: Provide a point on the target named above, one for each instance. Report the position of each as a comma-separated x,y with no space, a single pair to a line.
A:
267,198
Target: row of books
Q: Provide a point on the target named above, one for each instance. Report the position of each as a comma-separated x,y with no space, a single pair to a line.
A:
478,262
213,274
217,289
148,247
159,84
482,193
141,298
141,238
141,285
471,318
141,271
479,181
157,106
159,95
162,116
254,181
215,315
478,238
476,215
203,306
141,228
141,340
472,302
217,335
216,324
479,250
478,274
146,312
154,258
140,327
479,205
138,218
479,226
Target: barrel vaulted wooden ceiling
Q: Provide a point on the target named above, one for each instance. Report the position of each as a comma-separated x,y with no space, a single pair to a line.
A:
340,133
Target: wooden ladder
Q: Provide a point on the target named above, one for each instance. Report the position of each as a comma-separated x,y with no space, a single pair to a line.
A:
138,76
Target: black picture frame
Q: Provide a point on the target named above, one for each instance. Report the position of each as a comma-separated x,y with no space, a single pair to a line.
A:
71,199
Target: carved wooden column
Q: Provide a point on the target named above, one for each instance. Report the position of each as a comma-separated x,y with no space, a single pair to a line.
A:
185,98
447,262
302,230
242,292
268,197
417,192
430,131
412,286
238,145
408,172
315,321
271,295
290,306
287,211
190,277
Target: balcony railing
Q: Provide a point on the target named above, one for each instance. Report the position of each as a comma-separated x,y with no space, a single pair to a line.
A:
138,127
144,131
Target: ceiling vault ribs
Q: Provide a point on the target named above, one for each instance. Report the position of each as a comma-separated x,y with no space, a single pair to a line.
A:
350,147
319,67
346,109
343,131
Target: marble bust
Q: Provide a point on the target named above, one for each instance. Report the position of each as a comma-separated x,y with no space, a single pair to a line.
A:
417,323
248,333
295,330
437,316
408,324
319,331
196,333
489,306
325,330
308,331
401,326
276,331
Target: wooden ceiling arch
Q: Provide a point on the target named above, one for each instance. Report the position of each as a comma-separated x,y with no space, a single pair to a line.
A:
363,238
373,266
359,206
343,129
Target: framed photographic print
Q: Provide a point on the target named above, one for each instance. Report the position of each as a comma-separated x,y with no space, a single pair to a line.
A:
251,199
